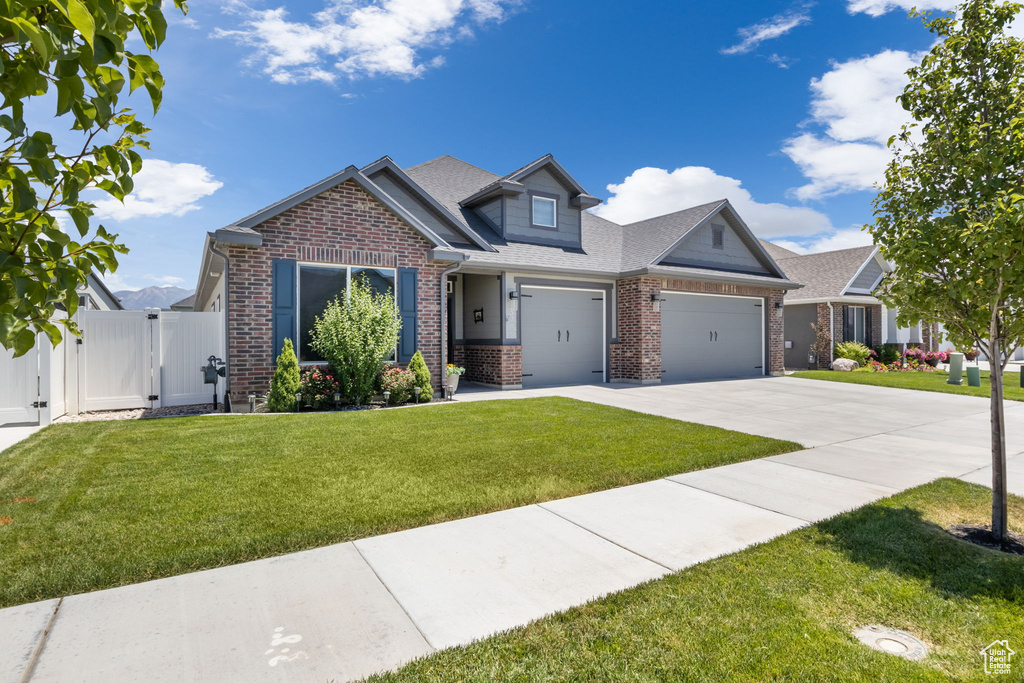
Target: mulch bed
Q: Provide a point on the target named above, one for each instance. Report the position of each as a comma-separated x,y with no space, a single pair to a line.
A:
138,413
982,535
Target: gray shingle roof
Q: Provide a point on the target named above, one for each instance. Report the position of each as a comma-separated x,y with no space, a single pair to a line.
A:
826,274
607,247
449,181
188,302
648,239
775,251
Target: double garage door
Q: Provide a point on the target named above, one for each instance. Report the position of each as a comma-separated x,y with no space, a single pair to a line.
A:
711,337
702,336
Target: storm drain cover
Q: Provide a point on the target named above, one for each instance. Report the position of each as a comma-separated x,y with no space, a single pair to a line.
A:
890,640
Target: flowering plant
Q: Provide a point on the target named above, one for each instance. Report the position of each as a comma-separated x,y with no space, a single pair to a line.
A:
915,353
455,370
318,388
941,356
398,382
971,355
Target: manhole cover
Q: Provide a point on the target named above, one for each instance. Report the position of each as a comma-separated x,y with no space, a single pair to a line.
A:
890,640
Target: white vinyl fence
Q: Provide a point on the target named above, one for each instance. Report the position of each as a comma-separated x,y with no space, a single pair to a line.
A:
124,359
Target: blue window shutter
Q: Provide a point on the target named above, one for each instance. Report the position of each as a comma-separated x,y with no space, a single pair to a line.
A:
284,304
407,311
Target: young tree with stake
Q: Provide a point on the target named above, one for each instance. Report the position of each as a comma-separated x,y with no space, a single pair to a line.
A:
950,216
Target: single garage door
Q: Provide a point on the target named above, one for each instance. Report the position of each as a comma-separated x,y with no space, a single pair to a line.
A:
711,337
562,336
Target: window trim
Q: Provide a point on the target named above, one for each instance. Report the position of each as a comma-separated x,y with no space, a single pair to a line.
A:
299,265
534,196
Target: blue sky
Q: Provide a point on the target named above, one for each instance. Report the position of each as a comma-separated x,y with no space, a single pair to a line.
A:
780,106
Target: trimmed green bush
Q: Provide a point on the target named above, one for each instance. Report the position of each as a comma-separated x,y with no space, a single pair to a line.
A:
854,351
418,367
887,354
286,381
356,336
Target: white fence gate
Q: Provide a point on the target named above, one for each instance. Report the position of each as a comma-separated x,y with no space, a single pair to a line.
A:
124,359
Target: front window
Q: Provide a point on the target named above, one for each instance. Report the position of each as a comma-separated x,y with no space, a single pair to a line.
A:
321,284
859,329
544,212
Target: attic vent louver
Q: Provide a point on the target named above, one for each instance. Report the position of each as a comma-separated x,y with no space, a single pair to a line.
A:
717,237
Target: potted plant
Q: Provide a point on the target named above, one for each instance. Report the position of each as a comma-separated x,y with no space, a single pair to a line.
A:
971,355
452,374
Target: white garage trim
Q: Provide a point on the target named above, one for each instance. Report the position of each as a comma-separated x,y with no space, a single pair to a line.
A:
764,312
604,321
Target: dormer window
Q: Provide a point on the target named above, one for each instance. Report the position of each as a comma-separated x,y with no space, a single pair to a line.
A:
544,212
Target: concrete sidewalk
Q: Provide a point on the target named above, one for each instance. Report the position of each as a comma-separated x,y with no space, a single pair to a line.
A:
345,611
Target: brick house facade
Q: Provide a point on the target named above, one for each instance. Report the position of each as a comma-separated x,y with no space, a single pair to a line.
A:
421,223
360,231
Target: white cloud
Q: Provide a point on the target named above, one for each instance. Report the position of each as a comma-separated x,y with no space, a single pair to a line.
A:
359,37
162,188
827,241
877,8
649,192
855,106
769,29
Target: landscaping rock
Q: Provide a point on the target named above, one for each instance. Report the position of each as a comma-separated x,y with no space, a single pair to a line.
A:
138,413
845,365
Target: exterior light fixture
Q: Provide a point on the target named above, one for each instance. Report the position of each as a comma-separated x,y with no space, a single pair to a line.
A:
656,301
387,398
417,390
252,403
448,390
513,295
778,308
298,403
337,401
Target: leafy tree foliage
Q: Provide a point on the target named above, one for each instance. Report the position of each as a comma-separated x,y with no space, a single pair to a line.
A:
356,336
285,382
75,50
950,217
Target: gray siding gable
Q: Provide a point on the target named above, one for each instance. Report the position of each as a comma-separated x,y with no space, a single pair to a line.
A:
698,250
865,282
518,224
491,212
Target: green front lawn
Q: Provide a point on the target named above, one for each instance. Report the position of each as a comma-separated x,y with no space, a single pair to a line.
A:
126,501
922,381
783,611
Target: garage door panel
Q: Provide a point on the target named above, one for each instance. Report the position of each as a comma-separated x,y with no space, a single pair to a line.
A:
562,336
710,337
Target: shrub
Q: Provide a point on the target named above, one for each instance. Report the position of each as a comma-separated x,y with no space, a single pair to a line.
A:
887,354
319,387
418,367
356,336
399,382
854,351
286,382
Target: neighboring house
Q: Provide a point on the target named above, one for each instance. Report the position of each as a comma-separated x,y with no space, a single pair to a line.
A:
838,296
95,296
509,276
185,304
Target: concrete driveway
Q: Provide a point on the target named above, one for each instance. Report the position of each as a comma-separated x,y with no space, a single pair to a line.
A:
345,611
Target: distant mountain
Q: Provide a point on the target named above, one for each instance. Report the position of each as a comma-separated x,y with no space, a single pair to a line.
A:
151,297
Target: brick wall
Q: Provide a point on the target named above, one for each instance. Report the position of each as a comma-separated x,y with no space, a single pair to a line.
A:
637,356
839,328
495,365
823,320
343,225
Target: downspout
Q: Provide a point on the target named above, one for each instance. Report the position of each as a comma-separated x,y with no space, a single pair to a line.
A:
227,327
831,332
444,321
